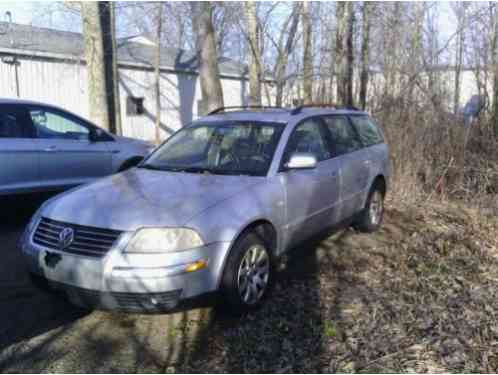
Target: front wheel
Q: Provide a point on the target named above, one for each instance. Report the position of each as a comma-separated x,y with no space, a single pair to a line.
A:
248,274
370,219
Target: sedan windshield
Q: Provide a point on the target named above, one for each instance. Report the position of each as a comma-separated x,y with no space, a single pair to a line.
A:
235,148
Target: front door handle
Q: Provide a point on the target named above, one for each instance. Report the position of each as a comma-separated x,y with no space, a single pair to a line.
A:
51,149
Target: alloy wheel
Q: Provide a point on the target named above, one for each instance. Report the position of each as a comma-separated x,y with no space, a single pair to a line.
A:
376,207
254,274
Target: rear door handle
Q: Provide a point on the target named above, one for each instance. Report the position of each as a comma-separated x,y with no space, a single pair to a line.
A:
51,149
367,162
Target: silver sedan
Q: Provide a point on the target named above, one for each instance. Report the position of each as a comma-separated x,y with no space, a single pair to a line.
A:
43,147
211,209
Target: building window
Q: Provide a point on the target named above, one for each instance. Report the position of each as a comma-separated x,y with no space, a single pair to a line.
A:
134,106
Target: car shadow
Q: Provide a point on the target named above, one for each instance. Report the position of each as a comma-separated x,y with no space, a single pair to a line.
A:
25,310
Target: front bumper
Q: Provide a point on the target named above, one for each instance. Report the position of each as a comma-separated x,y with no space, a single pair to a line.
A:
128,282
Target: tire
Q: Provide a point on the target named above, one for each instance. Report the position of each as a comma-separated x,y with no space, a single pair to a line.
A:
370,218
245,282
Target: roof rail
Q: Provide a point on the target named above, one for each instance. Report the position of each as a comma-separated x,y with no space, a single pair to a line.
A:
298,109
223,109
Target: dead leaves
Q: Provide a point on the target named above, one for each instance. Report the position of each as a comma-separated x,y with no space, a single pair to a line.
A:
421,295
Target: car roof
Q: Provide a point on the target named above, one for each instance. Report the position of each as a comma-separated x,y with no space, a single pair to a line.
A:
279,115
26,102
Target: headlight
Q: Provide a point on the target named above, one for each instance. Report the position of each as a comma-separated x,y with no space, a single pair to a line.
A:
163,240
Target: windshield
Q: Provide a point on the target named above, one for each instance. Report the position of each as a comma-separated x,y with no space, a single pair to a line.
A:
233,148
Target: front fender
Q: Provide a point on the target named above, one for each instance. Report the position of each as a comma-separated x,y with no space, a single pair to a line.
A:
225,221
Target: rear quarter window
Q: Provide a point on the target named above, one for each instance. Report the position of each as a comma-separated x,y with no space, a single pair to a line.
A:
367,130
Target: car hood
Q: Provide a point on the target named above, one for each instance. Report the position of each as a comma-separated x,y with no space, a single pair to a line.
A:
140,197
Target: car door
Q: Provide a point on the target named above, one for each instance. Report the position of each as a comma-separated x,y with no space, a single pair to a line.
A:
18,154
67,155
310,193
346,147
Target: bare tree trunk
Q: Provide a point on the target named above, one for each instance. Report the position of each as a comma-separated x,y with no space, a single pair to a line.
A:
212,93
365,54
460,9
98,55
157,71
350,54
115,72
307,54
416,56
494,60
255,55
284,53
340,59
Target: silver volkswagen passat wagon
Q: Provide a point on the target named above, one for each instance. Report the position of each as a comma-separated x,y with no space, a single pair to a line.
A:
211,208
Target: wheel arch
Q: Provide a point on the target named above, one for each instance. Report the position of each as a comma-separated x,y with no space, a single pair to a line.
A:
264,228
380,181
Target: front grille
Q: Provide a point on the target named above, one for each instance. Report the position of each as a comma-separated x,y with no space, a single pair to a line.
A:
149,301
88,241
133,302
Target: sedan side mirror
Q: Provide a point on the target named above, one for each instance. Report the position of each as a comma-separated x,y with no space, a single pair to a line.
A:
301,160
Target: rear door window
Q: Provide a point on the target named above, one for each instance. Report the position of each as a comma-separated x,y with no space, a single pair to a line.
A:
342,137
14,122
369,132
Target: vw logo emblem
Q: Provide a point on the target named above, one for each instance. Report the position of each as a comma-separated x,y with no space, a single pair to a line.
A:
66,237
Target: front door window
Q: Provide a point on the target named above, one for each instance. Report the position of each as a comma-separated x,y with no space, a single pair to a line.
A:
51,125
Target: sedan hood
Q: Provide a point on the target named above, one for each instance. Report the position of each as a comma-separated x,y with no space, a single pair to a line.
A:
133,141
141,197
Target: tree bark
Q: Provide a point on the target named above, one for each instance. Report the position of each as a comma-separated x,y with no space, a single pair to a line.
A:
494,61
365,54
307,54
212,93
97,34
115,72
350,55
157,71
340,58
284,53
255,54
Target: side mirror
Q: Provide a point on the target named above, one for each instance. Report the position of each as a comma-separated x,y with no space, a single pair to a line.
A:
301,160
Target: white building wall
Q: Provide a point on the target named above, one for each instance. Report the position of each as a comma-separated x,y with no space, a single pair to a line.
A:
65,84
51,82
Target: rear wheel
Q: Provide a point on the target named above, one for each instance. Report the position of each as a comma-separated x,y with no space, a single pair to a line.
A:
248,274
370,219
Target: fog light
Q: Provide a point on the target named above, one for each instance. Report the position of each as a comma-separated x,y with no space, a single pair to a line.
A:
199,265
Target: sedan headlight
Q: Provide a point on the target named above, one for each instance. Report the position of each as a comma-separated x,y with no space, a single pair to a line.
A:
163,240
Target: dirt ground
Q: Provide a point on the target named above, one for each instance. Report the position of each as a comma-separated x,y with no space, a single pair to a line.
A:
418,296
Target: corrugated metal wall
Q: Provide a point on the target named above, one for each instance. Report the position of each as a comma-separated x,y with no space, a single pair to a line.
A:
64,84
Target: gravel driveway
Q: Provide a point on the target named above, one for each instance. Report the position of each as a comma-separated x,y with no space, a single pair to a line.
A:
387,302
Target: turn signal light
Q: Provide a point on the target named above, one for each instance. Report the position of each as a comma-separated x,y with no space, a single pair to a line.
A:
196,266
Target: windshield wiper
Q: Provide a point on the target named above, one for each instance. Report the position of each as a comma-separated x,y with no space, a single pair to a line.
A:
195,170
151,167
